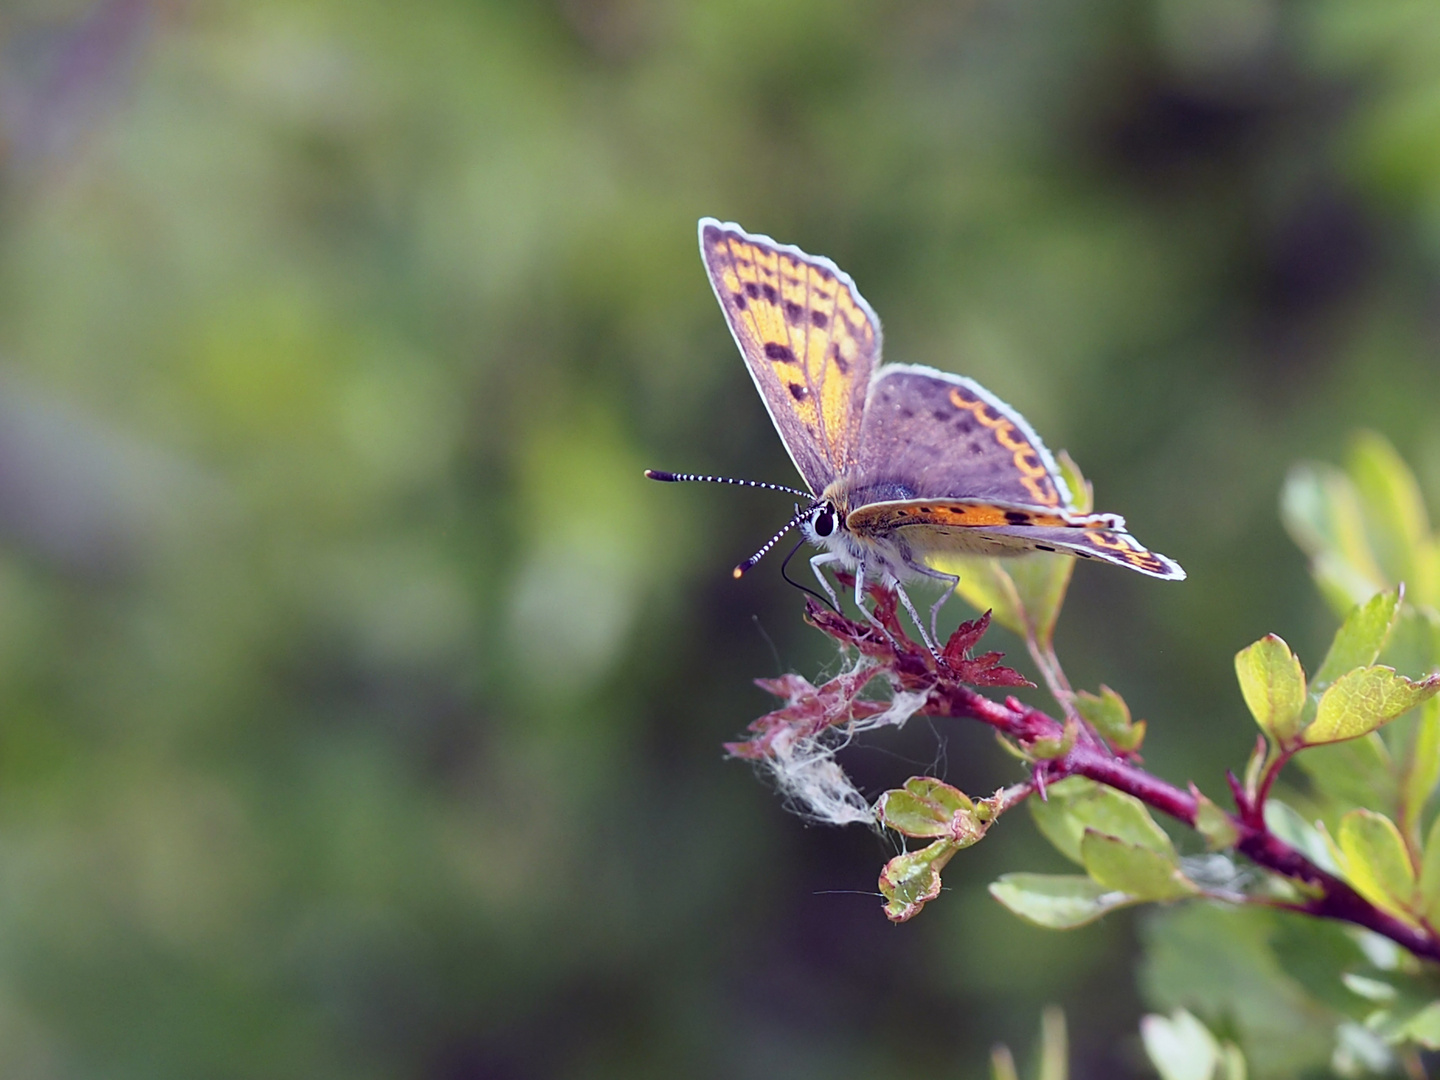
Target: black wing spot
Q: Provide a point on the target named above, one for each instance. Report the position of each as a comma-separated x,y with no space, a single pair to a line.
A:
752,290
770,293
781,354
840,362
793,312
739,299
1043,547
798,391
820,319
1017,517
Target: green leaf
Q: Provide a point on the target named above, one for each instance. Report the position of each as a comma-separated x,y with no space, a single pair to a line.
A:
1057,901
1395,517
1180,1046
1002,1064
1363,700
1214,824
1376,990
1220,962
1360,772
1376,862
986,586
1322,510
1048,749
1023,593
1054,1045
1282,820
1421,768
1273,684
1430,875
1425,585
1077,803
1140,871
1108,714
1360,638
926,807
1422,1028
912,880
1232,1063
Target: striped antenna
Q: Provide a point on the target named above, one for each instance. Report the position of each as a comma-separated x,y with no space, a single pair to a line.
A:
682,477
753,559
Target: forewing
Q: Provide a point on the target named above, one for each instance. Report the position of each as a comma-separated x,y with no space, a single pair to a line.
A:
809,339
931,435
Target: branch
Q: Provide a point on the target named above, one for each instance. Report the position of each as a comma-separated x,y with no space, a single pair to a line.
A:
1336,899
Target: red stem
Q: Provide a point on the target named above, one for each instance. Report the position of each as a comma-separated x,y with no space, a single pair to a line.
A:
1336,899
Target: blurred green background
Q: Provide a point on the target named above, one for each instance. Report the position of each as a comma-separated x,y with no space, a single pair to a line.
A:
360,704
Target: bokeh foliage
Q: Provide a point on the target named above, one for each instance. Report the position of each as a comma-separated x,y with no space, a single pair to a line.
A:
359,704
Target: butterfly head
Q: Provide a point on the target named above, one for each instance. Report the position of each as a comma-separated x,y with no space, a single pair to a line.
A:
821,522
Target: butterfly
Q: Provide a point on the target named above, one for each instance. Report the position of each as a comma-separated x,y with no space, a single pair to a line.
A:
902,462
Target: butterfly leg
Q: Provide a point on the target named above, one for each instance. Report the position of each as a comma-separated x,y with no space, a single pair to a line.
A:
950,580
870,615
826,558
915,617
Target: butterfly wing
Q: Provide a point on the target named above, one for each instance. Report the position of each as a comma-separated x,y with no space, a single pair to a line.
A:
1111,545
929,434
940,526
809,339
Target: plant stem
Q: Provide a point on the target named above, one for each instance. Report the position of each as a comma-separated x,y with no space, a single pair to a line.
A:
1336,899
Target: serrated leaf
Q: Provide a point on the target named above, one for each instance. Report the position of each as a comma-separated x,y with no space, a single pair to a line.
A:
1361,637
910,881
1359,702
926,807
1180,1046
1140,871
1214,824
1077,803
1375,861
1395,512
1273,685
1057,901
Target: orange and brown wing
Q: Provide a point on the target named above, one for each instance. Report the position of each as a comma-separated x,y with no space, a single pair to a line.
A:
809,339
934,526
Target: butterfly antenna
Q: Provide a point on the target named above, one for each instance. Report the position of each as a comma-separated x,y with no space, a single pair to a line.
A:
678,478
753,559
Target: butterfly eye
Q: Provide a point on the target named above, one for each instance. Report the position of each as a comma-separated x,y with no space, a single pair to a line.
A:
824,523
